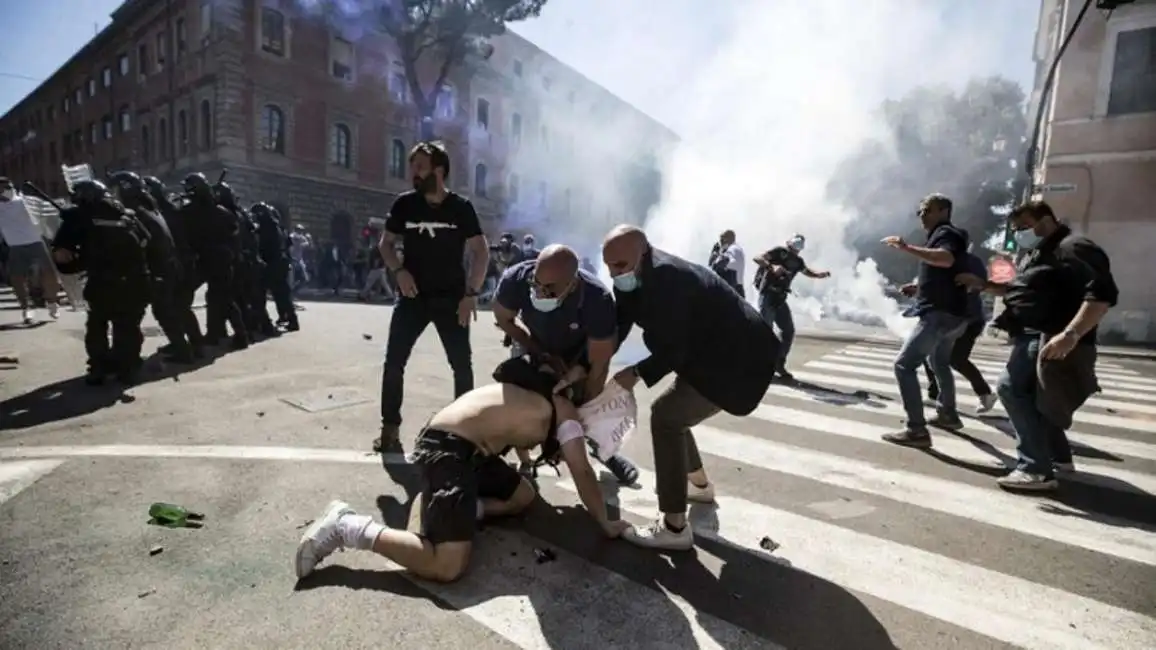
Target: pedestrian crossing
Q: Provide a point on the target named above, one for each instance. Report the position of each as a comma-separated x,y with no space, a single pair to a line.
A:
825,518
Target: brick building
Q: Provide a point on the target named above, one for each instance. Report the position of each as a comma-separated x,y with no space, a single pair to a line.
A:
317,118
1099,163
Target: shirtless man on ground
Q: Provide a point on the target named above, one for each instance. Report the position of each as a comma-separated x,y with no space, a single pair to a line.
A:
464,478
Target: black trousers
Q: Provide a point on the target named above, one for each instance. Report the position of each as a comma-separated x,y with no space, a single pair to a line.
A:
116,304
162,296
250,296
220,300
961,362
411,317
276,281
184,292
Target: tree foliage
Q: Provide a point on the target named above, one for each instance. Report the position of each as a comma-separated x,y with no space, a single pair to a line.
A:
963,144
444,34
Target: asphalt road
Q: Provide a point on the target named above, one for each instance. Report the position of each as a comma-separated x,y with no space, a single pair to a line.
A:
874,546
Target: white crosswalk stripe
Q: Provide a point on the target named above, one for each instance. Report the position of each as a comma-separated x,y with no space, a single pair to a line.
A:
827,435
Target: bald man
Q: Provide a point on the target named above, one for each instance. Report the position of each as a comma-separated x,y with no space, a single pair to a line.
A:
715,344
567,314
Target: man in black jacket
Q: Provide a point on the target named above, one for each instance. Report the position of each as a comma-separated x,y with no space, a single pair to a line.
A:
719,362
213,234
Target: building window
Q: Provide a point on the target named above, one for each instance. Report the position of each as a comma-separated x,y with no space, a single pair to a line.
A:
513,188
339,139
66,105
183,132
444,106
78,97
142,60
1133,88
206,128
399,84
162,48
106,77
206,19
181,36
516,128
396,159
341,58
93,134
272,129
125,120
122,64
517,68
106,126
272,31
91,84
145,151
52,153
51,114
480,179
483,114
163,139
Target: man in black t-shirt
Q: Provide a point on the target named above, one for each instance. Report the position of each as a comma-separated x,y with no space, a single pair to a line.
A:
941,307
437,228
777,270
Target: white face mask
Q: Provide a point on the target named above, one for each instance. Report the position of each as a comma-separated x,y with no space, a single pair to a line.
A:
1027,239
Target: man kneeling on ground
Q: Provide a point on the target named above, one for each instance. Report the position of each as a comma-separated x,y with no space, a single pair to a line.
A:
464,478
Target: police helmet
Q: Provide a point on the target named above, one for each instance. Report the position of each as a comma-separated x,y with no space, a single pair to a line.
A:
196,184
263,211
225,193
128,182
88,192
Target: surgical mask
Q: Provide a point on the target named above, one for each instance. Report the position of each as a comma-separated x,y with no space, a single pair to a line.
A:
544,305
627,282
796,244
1027,238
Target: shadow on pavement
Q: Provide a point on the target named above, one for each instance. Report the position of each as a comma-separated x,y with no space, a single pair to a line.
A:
757,593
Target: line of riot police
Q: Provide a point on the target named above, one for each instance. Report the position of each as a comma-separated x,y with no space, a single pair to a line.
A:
138,248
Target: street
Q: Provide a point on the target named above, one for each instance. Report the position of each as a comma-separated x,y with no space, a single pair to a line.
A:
824,536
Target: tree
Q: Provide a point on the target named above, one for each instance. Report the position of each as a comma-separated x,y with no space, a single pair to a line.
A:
963,144
444,34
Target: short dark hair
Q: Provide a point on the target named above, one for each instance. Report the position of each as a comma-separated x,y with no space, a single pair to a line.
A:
937,201
1037,209
437,155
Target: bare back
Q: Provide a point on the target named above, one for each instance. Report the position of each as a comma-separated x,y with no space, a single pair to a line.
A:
496,416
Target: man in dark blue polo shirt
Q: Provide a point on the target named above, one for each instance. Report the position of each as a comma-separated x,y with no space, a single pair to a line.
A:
941,307
567,315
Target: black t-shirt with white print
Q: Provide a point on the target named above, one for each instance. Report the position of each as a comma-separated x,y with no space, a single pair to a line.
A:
434,239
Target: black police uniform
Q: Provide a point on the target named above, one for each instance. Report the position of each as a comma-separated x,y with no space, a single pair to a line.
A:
213,234
186,282
434,238
112,246
273,244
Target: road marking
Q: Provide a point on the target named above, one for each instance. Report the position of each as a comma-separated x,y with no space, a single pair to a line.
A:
1104,372
988,602
981,453
1117,537
880,388
205,451
543,606
17,476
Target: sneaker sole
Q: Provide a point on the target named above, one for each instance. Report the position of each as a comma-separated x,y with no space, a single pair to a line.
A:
307,537
1030,487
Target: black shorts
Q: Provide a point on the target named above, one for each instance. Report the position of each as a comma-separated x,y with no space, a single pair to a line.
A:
455,474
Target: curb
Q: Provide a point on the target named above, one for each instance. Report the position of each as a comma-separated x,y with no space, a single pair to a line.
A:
1137,354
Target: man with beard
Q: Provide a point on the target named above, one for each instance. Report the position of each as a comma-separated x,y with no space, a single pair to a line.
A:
437,228
695,326
941,307
213,233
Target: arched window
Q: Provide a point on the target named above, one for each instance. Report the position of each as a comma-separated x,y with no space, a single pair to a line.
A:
272,129
206,128
480,179
397,159
183,132
163,139
145,144
339,140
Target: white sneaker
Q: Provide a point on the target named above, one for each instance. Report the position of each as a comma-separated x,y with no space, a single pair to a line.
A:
322,538
696,494
658,535
987,403
1019,480
29,316
54,311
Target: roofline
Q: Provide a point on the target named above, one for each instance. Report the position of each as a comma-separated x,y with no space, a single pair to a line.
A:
126,10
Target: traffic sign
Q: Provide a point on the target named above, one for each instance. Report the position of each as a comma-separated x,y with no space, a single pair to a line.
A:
1001,270
1057,188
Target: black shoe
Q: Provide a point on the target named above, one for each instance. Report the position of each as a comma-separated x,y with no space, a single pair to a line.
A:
94,378
623,470
239,342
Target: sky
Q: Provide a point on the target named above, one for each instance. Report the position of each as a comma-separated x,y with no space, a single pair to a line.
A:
640,65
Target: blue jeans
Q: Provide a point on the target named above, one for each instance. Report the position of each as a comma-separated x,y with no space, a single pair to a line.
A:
932,340
778,314
1039,443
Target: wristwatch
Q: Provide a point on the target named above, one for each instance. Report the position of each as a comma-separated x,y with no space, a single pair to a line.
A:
473,293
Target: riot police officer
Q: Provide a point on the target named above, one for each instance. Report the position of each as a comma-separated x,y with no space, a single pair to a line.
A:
273,243
111,245
213,233
186,282
248,279
163,265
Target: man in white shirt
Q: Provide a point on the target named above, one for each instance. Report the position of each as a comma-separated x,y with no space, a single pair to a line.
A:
729,261
27,252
